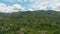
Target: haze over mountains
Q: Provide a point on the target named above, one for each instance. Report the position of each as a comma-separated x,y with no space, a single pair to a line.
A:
46,13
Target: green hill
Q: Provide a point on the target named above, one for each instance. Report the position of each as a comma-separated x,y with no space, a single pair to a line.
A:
30,22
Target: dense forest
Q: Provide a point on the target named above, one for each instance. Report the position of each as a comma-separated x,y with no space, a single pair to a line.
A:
30,22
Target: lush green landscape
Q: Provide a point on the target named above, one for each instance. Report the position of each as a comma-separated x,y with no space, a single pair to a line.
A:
30,22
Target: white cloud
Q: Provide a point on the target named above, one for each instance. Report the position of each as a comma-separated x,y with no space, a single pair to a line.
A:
13,8
36,4
30,10
43,4
14,0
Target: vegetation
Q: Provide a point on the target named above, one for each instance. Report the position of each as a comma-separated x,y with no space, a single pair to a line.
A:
30,22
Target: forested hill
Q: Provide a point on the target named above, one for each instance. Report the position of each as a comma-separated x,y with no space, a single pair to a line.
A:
30,22
40,13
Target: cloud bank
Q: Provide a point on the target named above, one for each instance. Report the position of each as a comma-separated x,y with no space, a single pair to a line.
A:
13,8
45,5
30,5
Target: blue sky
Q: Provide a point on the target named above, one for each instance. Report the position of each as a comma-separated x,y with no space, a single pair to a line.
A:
16,5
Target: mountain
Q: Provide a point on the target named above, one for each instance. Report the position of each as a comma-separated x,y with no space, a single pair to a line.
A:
30,22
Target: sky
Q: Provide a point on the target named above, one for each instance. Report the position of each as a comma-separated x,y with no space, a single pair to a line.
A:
24,5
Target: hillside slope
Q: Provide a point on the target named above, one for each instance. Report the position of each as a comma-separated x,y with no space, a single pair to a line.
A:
30,22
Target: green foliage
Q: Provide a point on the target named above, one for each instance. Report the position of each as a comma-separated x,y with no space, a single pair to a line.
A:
35,22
